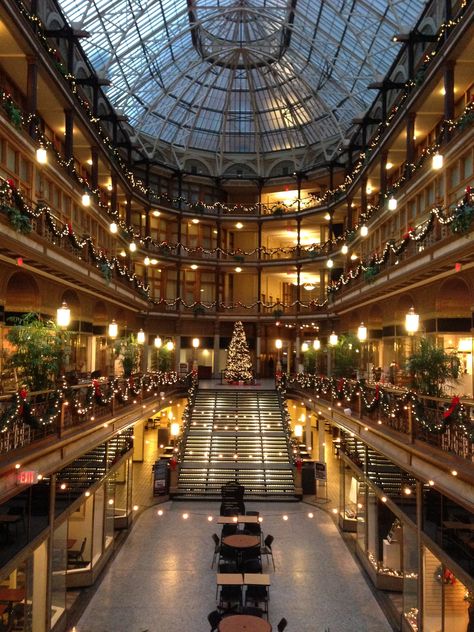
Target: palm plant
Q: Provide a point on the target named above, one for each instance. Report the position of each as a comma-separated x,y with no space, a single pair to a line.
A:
39,350
127,350
431,367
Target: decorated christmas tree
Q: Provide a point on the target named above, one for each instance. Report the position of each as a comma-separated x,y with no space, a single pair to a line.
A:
239,364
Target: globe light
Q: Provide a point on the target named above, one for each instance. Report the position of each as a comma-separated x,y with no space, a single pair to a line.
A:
158,342
141,337
412,321
345,249
196,342
437,161
278,343
63,315
113,228
316,344
86,199
113,329
362,332
174,429
364,231
298,430
239,225
333,338
330,263
146,261
41,156
238,269
304,347
132,246
170,345
392,204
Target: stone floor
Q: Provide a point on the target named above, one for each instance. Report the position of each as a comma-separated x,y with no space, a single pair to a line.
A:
161,580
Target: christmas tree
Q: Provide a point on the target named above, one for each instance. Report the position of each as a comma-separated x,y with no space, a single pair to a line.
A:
239,364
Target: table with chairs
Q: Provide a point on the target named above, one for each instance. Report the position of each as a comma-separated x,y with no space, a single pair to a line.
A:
242,588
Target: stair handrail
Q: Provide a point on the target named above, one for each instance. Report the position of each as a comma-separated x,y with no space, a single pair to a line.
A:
186,417
292,446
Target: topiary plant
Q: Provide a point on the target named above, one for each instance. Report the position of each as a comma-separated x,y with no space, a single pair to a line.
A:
127,350
431,367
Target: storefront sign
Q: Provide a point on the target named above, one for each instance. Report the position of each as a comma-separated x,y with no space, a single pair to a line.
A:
320,473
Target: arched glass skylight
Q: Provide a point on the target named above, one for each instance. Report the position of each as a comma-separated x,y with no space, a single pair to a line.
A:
242,79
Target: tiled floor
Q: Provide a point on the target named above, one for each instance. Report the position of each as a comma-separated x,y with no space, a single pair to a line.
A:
161,579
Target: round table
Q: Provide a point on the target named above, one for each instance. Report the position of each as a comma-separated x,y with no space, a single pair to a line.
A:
241,541
244,623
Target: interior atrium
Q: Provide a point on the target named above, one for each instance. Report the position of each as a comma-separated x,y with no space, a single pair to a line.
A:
236,246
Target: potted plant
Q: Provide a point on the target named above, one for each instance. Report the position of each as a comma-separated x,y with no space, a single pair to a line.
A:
39,350
346,356
431,367
127,350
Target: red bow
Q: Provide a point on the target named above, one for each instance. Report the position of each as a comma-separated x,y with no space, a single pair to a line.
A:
454,403
69,229
340,384
96,387
11,183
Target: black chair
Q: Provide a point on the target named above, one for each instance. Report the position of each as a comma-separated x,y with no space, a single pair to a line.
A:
282,624
251,566
230,595
76,557
217,548
214,619
267,548
229,529
258,595
252,611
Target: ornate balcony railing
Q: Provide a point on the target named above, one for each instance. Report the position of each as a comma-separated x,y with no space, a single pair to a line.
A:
446,424
26,418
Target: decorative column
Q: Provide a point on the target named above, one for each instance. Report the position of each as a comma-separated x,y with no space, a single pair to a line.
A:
410,142
383,175
68,137
258,348
94,167
32,93
448,95
217,367
308,431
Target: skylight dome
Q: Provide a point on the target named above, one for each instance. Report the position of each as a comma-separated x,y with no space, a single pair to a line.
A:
242,80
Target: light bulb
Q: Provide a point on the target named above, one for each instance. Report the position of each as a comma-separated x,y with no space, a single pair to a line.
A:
41,156
392,204
364,231
113,329
86,199
146,261
437,161
113,228
345,249
132,246
158,342
330,263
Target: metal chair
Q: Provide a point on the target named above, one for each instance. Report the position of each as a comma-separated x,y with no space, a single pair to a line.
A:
217,548
282,624
214,619
267,548
73,557
258,595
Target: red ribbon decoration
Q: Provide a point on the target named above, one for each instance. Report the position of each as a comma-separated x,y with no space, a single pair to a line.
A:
454,403
377,394
340,384
96,387
69,229
22,393
173,463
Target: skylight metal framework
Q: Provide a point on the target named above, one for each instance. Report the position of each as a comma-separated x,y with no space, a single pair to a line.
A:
241,79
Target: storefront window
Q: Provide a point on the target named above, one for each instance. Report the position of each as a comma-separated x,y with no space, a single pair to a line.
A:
361,517
59,548
410,578
109,510
348,497
432,592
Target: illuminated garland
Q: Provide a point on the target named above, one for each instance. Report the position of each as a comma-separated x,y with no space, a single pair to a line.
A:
201,206
433,420
375,261
123,391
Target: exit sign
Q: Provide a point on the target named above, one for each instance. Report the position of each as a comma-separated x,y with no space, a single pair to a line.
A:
27,477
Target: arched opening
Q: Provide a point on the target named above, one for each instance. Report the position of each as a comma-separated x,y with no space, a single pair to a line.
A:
22,294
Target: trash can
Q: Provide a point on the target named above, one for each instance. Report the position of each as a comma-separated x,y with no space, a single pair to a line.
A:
308,482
